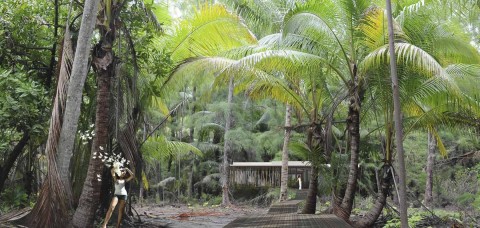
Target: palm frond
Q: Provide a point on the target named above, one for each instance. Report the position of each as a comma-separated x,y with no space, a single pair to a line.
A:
409,9
440,145
315,20
464,70
195,71
289,62
374,28
212,30
407,55
353,10
54,199
160,148
263,17
297,42
274,88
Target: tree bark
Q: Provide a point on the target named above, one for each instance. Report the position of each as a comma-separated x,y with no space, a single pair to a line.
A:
311,201
12,157
226,148
315,141
383,189
90,197
104,64
353,126
75,88
432,144
286,140
397,115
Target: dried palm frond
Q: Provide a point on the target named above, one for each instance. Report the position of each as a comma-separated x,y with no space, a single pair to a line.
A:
53,203
128,144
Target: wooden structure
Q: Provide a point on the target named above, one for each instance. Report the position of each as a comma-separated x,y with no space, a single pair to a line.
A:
268,173
284,214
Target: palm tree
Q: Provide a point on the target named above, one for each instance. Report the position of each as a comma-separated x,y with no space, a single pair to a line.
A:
402,173
53,204
201,36
288,130
311,25
104,65
423,81
265,18
75,85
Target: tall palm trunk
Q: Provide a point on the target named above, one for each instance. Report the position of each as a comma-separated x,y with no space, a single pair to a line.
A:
56,191
51,207
432,143
75,89
353,126
103,61
90,197
226,148
314,142
397,115
284,177
311,201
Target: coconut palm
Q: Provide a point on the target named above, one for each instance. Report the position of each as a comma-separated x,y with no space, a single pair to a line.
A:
356,49
44,214
204,35
105,64
423,82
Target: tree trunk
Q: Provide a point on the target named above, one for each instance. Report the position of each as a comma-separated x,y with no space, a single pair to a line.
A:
432,144
226,148
90,197
353,125
12,157
104,64
284,177
74,94
311,201
315,141
190,179
383,189
397,115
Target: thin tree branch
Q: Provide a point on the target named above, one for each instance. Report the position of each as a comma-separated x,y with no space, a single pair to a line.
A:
164,120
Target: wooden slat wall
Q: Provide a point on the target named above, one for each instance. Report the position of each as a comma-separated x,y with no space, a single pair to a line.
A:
261,176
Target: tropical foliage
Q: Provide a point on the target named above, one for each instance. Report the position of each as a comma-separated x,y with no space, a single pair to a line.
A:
181,89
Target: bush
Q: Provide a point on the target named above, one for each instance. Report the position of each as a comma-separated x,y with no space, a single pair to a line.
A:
13,198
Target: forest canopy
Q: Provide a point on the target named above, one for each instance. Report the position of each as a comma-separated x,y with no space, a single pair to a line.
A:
179,90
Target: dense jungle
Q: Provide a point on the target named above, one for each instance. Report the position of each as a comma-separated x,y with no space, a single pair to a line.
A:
379,99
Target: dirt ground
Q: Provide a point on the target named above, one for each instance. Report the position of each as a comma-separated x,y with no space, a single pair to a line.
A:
183,216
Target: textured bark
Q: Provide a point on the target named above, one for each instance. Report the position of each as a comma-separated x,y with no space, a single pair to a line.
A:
311,201
432,144
74,94
12,157
90,197
384,188
315,141
55,191
104,64
226,148
286,140
353,126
